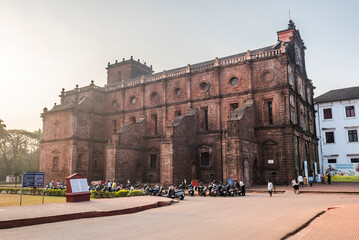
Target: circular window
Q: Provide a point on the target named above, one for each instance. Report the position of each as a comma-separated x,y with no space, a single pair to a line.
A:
154,96
234,81
268,75
133,100
204,86
178,91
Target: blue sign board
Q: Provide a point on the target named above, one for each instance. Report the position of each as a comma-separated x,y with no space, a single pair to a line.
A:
230,181
33,179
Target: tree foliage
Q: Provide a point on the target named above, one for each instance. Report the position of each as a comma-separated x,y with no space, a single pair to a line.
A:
19,150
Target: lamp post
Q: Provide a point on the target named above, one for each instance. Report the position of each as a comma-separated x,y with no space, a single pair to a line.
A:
150,176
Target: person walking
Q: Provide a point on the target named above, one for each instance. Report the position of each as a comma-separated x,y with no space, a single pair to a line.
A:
311,180
243,188
270,188
295,185
300,180
109,185
114,186
329,178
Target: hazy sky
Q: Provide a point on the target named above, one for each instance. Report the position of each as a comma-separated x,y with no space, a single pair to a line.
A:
49,45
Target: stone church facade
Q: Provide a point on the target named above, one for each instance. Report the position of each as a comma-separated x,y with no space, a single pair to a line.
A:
248,116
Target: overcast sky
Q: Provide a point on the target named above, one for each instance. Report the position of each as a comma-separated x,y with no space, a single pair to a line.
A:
49,45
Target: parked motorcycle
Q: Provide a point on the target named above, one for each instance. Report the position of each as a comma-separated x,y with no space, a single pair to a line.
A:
190,189
230,190
222,190
172,193
213,190
150,191
202,191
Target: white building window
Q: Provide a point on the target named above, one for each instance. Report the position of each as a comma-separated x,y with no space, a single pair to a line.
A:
329,137
327,113
349,111
332,160
352,135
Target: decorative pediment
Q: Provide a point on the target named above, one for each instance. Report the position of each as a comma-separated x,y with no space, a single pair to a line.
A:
269,142
205,148
153,150
55,151
82,150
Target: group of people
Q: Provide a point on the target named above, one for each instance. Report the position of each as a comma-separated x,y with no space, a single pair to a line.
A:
240,185
112,186
57,185
300,181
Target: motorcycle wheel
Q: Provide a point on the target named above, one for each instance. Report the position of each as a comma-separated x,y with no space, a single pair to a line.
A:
181,197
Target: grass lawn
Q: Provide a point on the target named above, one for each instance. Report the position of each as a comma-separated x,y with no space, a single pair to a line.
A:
7,200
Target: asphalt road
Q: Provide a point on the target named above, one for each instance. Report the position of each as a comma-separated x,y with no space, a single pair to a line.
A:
255,216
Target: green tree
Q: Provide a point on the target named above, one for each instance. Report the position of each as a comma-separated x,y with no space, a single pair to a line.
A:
2,128
19,151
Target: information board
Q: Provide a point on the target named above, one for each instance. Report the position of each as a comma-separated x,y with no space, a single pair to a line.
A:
79,185
230,181
33,179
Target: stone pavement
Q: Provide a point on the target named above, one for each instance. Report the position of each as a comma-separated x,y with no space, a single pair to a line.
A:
315,222
339,222
334,188
19,216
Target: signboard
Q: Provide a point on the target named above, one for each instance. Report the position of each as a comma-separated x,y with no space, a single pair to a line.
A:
33,179
343,172
230,181
79,185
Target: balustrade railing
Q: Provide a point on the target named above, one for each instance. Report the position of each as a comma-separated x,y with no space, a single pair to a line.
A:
183,71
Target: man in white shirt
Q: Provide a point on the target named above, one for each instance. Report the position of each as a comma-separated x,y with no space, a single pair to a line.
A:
300,180
270,188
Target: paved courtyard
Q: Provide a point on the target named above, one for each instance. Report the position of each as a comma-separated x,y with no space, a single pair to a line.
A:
256,216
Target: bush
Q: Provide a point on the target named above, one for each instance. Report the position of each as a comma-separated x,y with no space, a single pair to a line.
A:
136,193
55,192
32,191
122,193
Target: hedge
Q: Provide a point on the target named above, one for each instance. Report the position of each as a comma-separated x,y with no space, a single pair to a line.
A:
120,193
62,192
31,191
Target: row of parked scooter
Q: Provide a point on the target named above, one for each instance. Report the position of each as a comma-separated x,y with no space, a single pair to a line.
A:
213,190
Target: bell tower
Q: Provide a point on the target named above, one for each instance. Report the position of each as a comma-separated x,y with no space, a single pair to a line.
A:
125,70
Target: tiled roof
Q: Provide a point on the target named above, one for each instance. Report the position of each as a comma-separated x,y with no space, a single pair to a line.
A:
338,94
62,107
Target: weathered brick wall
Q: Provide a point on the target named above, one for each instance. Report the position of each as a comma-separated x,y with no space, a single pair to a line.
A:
131,93
173,85
242,72
49,152
58,125
130,158
184,149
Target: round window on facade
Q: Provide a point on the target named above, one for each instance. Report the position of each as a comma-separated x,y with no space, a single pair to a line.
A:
178,91
268,75
204,87
133,100
154,96
234,81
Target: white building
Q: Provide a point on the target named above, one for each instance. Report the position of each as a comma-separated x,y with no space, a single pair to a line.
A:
337,122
